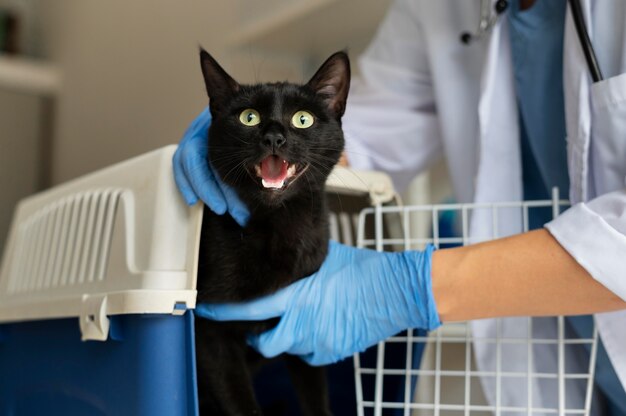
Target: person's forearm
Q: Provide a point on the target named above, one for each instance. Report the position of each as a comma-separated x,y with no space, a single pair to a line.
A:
525,275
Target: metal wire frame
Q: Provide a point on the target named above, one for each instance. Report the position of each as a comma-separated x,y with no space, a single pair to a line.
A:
462,334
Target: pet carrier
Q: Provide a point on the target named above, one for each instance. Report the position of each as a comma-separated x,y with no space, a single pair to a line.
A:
96,283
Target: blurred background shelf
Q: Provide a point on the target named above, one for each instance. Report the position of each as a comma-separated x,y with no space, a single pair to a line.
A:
28,94
27,75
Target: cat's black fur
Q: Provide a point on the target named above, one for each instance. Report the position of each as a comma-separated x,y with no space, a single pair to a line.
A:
286,237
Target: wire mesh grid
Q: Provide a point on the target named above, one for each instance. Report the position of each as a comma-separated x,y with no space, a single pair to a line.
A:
419,374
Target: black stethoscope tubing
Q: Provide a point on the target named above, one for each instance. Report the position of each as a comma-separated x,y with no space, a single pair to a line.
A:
487,22
585,42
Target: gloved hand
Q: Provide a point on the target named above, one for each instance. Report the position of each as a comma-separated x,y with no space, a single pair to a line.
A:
195,177
358,298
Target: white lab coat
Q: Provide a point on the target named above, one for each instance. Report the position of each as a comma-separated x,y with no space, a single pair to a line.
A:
422,95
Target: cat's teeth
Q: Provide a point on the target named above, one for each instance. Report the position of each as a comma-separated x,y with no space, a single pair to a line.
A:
276,185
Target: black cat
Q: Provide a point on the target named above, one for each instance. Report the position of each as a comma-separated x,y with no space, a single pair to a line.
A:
275,144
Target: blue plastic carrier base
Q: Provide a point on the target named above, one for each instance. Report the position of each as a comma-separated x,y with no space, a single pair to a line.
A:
146,367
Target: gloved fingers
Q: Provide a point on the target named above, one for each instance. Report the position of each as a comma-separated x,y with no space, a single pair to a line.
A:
341,254
193,141
317,359
273,342
271,306
202,181
202,122
236,208
181,181
334,244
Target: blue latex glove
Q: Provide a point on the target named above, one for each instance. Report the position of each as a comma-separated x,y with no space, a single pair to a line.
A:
357,298
195,177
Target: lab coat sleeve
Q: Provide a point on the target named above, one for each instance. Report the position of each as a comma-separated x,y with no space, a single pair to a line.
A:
391,120
594,233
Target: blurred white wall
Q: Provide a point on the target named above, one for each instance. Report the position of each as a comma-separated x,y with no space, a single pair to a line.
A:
131,76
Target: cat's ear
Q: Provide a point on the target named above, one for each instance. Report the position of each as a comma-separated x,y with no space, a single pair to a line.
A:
219,85
332,82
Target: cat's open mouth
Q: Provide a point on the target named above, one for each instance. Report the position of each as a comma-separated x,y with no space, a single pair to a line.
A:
275,172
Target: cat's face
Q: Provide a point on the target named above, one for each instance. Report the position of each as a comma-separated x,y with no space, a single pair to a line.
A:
274,141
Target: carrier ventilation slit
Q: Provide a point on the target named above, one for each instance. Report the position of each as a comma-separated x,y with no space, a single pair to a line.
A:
65,243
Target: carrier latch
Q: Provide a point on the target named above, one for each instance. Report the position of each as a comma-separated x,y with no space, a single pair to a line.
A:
94,323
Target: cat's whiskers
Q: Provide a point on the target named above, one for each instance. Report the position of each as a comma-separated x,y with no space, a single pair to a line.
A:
229,153
240,175
241,164
350,171
227,166
233,170
310,188
232,136
340,179
230,148
336,149
320,164
223,160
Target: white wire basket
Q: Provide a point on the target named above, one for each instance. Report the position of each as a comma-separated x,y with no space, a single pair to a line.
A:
547,367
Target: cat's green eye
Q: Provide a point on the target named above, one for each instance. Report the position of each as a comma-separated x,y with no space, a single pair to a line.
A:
302,119
249,117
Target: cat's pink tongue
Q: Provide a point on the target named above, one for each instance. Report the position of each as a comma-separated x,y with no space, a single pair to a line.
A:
274,171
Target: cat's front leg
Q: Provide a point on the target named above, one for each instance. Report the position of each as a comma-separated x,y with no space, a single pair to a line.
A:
311,386
224,382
